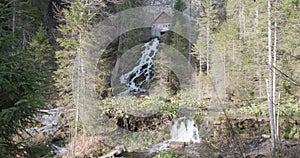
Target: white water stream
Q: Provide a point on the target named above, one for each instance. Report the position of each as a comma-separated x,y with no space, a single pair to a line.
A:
49,121
50,124
143,72
183,130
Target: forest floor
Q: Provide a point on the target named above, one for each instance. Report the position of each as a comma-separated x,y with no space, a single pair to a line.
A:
236,136
246,147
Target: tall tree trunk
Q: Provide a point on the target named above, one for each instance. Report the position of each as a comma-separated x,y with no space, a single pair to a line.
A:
13,26
259,73
270,81
190,45
200,74
274,74
208,47
14,18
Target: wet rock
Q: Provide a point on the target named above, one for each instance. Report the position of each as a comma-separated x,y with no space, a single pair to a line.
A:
176,145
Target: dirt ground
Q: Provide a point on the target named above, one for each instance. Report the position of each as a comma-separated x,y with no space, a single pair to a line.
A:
242,148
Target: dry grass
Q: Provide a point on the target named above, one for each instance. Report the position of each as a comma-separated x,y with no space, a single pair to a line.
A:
229,142
87,146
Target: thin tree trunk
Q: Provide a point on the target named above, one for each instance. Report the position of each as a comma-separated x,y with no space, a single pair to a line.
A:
257,50
240,21
200,60
190,45
277,121
244,19
233,52
274,76
24,40
270,81
79,84
208,48
13,26
224,72
14,18
200,74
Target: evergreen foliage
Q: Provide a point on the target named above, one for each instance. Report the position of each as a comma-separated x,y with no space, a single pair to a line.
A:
208,23
23,87
41,49
235,49
78,21
22,94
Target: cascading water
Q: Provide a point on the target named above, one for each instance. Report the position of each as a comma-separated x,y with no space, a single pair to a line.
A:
183,130
143,72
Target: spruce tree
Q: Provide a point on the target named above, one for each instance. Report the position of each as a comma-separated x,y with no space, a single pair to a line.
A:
22,87
207,25
77,25
42,51
70,60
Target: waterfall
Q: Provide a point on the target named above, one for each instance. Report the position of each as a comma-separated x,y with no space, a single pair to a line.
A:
186,131
183,130
143,72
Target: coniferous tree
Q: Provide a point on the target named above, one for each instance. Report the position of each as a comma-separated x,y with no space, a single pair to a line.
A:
77,25
41,49
22,87
207,25
70,59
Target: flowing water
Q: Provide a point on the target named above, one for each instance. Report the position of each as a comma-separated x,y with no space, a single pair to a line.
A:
143,72
183,130
49,121
50,124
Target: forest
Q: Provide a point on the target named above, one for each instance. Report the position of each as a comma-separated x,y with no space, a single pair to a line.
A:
150,78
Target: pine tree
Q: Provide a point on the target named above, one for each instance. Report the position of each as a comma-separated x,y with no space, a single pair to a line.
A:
77,25
70,60
41,49
22,87
207,25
